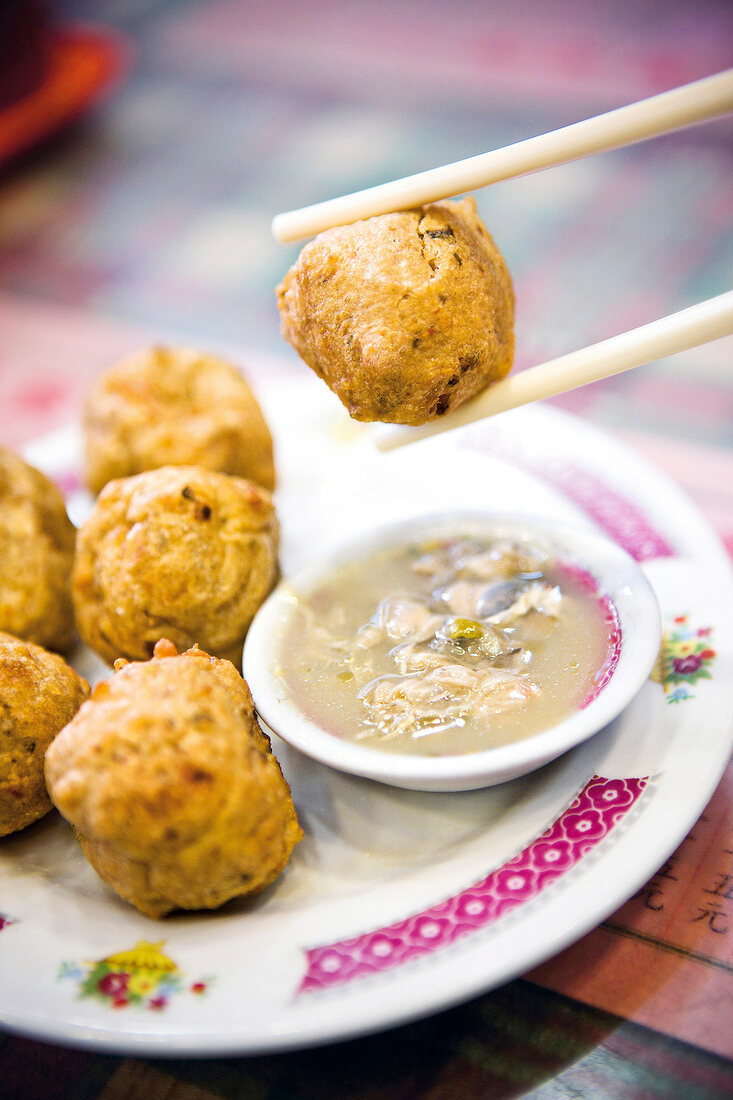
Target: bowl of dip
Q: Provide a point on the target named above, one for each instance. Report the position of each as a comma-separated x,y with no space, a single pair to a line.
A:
453,652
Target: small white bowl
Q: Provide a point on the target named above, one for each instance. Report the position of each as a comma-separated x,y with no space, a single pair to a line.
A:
617,578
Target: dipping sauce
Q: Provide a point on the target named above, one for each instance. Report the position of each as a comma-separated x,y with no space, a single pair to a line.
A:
448,646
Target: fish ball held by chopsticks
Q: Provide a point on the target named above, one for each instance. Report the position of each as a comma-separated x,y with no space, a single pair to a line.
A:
405,316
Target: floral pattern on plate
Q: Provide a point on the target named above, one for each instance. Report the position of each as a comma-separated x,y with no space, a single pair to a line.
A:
142,976
686,657
600,806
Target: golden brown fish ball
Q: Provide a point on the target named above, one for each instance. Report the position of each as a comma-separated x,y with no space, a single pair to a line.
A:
174,407
179,552
40,693
36,555
171,787
405,315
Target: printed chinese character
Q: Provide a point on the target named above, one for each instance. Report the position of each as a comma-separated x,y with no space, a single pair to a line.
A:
711,913
723,888
653,898
666,871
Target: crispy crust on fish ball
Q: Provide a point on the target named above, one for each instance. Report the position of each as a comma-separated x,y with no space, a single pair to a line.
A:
405,315
178,552
170,784
39,694
173,407
36,554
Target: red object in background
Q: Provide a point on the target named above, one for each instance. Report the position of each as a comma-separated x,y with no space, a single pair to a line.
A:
23,49
49,75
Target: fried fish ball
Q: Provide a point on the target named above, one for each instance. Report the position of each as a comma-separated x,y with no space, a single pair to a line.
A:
40,693
171,785
36,555
405,315
179,552
174,407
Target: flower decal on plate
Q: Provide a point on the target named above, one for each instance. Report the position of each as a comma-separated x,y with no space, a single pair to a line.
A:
142,975
587,825
686,657
514,883
5,921
615,792
556,854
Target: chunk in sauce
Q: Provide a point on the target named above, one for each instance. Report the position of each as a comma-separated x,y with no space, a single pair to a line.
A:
447,646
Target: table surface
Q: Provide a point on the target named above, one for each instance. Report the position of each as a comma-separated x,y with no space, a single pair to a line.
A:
149,220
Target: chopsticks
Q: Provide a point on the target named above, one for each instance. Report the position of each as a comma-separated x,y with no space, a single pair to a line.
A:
697,102
709,320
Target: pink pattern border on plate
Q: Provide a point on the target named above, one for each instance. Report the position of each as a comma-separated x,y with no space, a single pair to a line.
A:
599,807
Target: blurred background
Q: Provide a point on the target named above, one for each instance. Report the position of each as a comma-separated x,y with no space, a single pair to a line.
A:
155,208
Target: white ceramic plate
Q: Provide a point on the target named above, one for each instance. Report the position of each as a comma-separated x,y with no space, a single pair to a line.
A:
399,903
630,604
